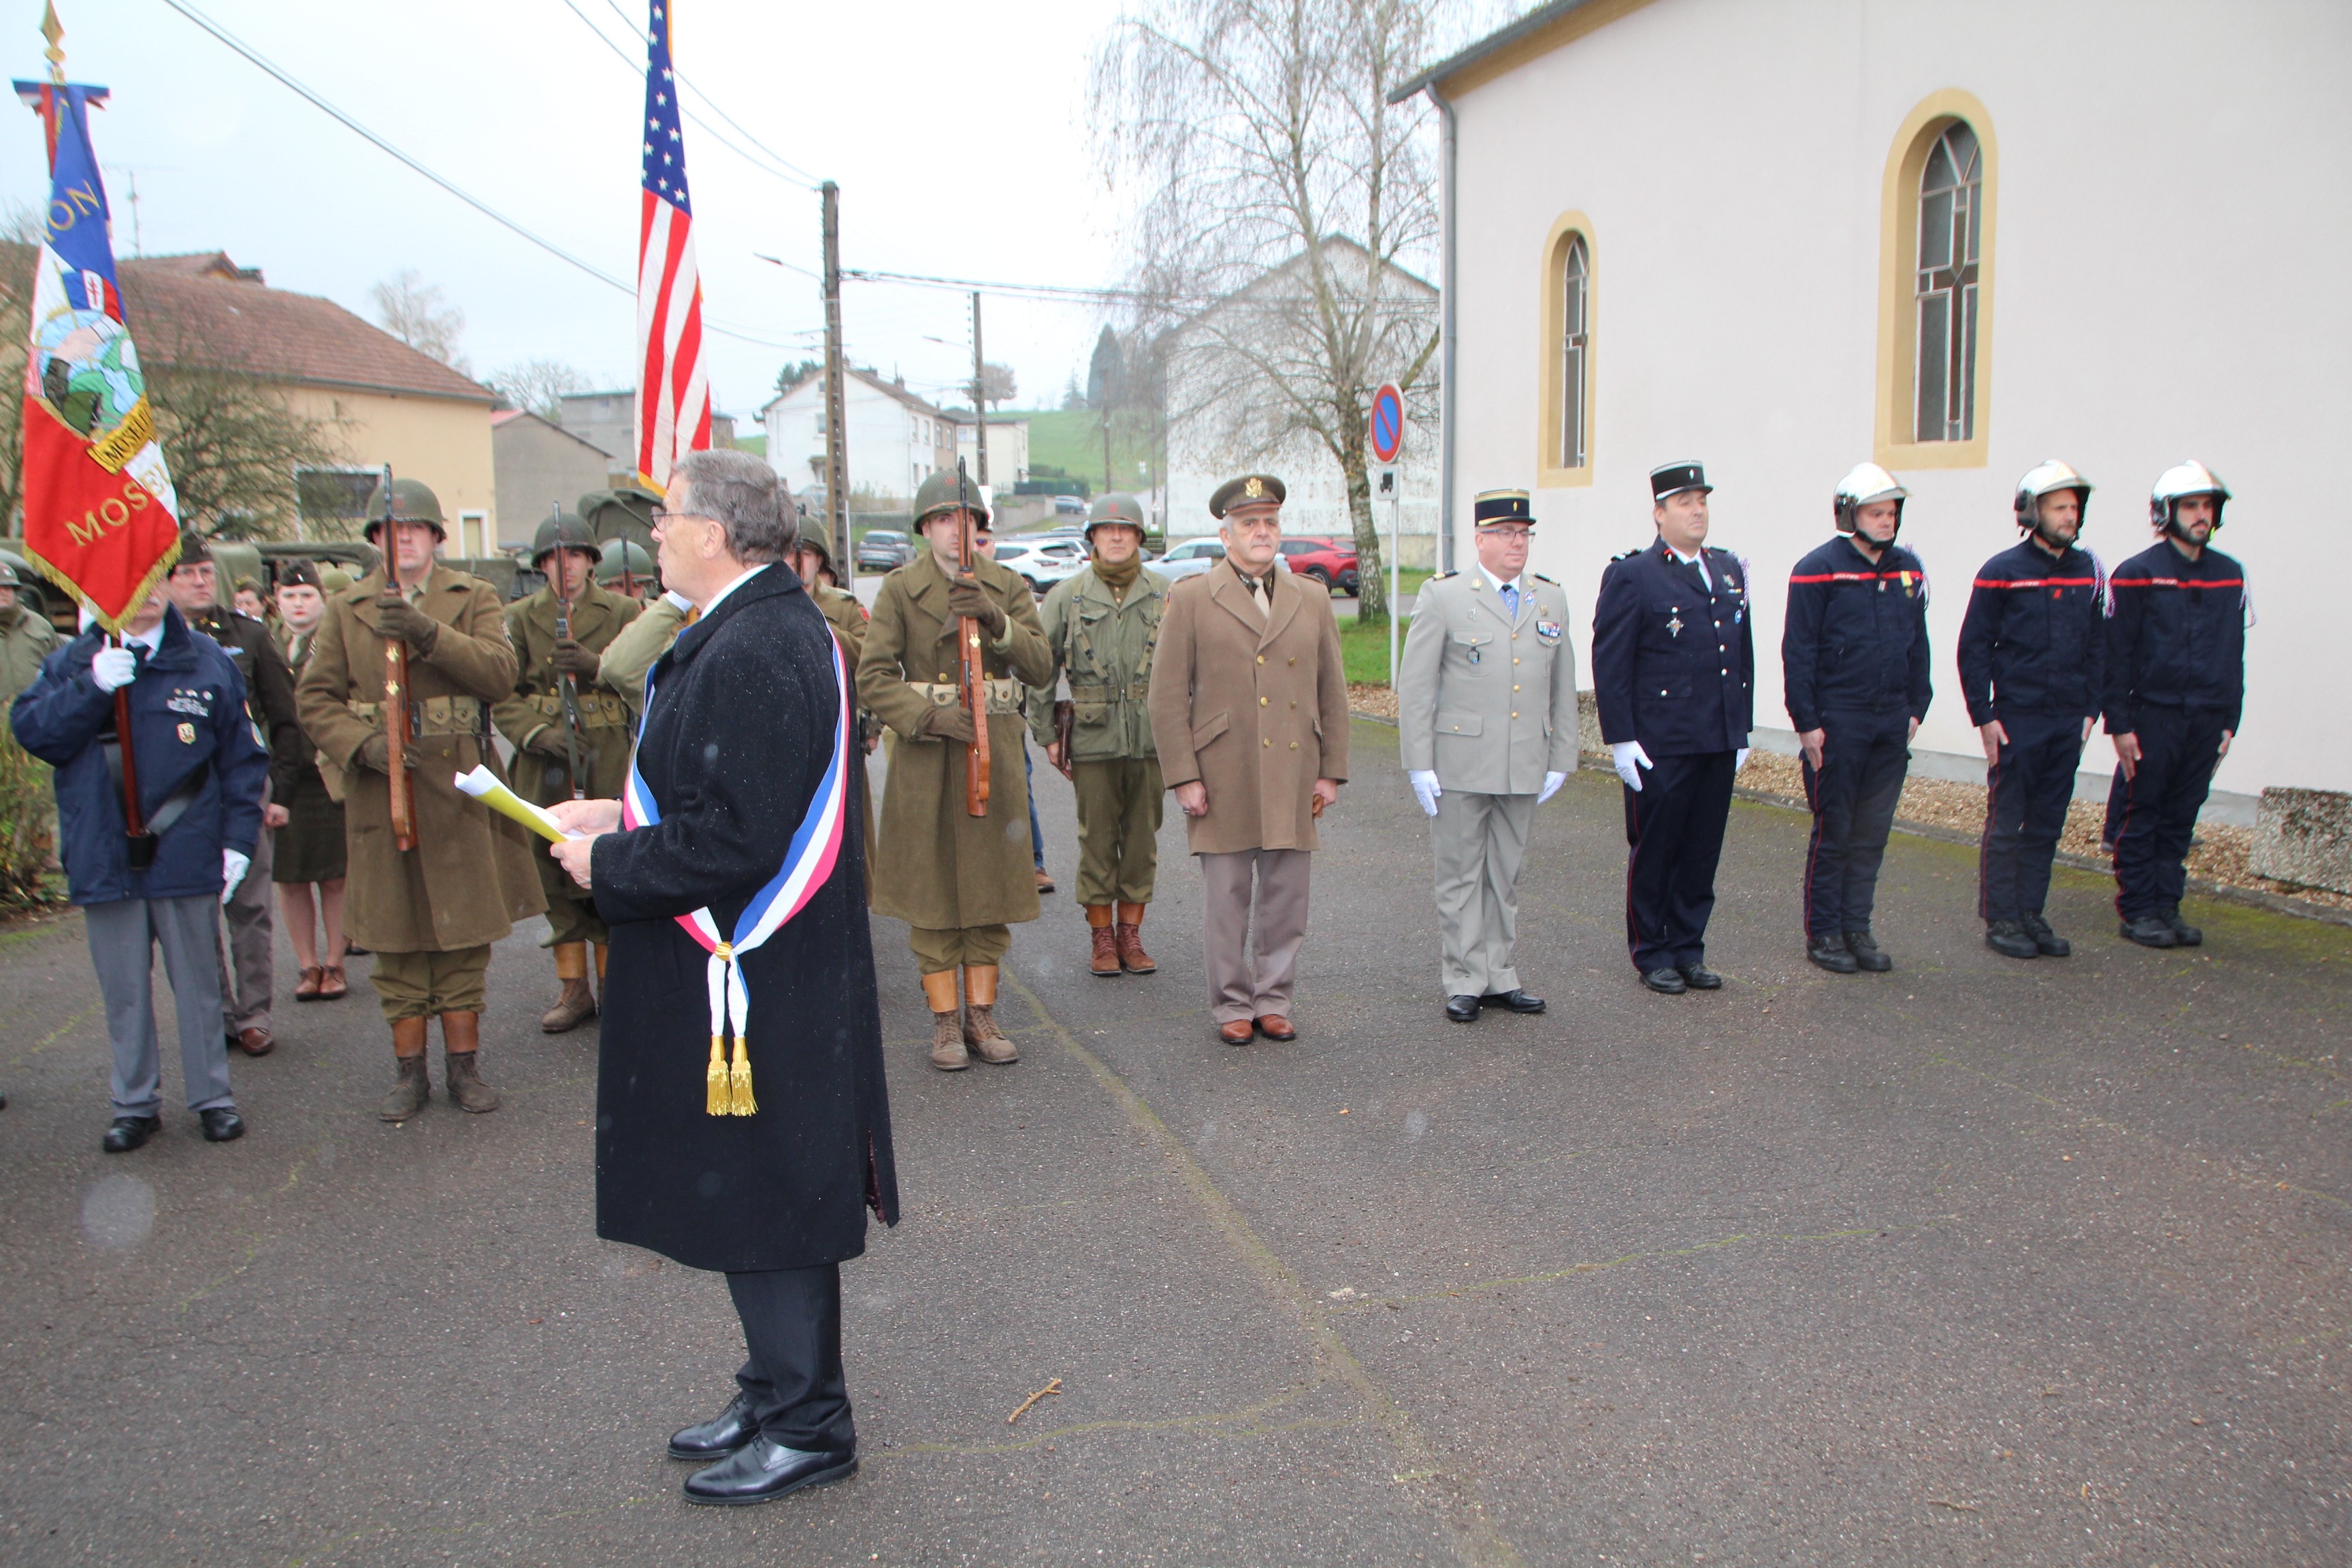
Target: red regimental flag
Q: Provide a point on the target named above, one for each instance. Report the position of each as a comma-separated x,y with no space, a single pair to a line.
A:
100,518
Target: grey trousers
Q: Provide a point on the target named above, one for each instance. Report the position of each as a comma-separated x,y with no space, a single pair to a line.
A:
1480,840
245,992
124,937
1253,963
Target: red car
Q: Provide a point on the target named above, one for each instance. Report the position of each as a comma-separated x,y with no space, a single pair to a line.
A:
1330,561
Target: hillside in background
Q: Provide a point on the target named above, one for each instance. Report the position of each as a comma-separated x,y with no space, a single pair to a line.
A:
1071,440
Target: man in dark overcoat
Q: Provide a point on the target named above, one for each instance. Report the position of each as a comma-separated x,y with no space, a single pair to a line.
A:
771,1188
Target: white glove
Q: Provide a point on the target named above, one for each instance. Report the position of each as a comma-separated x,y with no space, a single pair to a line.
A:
113,668
233,870
1424,789
1740,761
1551,786
1630,757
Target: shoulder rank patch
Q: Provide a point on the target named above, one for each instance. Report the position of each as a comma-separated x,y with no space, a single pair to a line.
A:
1541,578
1630,553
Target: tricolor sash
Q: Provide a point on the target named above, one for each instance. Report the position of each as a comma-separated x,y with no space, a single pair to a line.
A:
815,849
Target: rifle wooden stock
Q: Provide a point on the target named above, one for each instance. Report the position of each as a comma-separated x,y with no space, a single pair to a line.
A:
974,680
397,739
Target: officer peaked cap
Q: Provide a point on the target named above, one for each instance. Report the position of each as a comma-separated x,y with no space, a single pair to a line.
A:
1501,506
1250,490
1673,479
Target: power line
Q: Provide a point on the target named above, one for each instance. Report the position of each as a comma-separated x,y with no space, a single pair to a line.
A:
683,80
479,205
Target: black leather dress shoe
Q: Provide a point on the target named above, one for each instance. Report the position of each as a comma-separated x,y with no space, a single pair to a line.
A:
1830,952
1665,981
129,1131
2011,940
1514,1001
1461,1009
763,1471
729,1430
1699,977
222,1124
1867,954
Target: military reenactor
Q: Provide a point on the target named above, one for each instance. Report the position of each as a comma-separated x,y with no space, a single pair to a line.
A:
1854,664
813,560
2032,664
1487,715
641,643
26,638
307,859
1674,661
1249,710
559,719
246,965
428,914
1103,625
2176,685
962,882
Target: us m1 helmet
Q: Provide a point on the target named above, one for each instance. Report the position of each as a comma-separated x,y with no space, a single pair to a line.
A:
563,531
413,500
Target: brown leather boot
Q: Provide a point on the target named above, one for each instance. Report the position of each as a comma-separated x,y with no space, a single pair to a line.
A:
1132,956
948,1053
461,1045
411,1088
1105,959
980,1030
577,1003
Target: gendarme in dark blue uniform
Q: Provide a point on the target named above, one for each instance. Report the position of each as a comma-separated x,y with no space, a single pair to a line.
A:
1854,661
2032,654
1674,663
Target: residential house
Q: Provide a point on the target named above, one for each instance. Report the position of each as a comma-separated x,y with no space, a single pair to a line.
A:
896,439
608,422
1008,448
539,465
1785,240
382,401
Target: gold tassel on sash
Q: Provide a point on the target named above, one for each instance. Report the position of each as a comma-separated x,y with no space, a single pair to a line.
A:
742,1085
714,1082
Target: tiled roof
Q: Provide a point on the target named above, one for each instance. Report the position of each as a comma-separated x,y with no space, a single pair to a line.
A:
198,310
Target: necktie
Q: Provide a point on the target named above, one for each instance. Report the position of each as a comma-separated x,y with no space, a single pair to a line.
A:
138,659
1511,599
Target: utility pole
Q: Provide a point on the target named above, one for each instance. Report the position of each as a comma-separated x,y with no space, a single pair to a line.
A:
836,439
979,399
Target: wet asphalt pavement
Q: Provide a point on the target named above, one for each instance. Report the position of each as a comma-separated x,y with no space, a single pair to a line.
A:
1974,1262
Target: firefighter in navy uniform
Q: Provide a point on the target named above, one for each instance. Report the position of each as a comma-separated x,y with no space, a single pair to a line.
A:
1674,664
2032,654
2176,683
1854,663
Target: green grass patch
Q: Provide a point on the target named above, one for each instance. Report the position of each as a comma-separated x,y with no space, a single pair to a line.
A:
1071,440
1365,650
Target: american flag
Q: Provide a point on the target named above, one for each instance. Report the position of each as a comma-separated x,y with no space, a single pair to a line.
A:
673,392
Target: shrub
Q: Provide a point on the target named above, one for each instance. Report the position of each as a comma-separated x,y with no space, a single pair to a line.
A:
28,830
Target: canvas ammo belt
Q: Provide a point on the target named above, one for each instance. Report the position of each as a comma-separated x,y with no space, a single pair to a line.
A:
1108,691
598,709
431,716
1003,694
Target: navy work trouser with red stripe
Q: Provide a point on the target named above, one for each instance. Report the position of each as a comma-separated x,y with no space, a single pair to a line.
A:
1674,827
2026,794
2179,749
1853,794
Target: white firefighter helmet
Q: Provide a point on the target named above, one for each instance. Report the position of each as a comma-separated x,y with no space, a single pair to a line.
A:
2177,484
2044,478
1868,482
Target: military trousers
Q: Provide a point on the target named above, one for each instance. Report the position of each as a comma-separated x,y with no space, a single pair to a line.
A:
424,985
2178,749
1120,800
1673,832
936,952
247,963
2027,790
124,936
1251,934
1480,840
1853,794
571,910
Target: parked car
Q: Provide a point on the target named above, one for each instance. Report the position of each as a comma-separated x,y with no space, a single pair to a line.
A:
1069,506
883,549
1041,562
1194,556
1330,561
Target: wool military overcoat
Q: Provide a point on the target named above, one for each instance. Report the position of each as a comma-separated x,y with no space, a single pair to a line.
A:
470,876
736,743
1254,707
536,703
942,868
848,620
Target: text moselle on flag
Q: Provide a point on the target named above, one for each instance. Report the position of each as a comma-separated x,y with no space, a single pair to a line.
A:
100,518
673,388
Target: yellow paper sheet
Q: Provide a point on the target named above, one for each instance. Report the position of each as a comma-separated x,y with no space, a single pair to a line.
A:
483,786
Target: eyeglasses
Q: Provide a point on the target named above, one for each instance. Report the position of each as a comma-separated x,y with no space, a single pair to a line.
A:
1516,533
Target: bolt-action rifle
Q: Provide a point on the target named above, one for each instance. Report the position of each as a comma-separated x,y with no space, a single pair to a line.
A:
565,685
396,735
974,673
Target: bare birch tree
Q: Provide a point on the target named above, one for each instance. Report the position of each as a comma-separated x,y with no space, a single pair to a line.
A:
1281,205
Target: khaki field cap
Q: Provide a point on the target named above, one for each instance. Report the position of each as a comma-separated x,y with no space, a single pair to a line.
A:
938,494
300,573
1250,490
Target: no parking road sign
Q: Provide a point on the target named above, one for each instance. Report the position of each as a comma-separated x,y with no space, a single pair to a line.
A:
1388,422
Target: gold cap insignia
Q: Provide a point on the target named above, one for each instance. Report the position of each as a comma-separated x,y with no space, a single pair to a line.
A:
1255,489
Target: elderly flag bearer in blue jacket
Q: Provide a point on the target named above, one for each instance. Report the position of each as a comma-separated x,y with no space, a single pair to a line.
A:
200,770
2176,684
1487,712
1854,664
2032,651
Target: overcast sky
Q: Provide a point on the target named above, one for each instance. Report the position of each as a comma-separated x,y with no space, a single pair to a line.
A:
957,134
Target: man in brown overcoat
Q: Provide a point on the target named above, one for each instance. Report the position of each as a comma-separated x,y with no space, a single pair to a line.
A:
961,881
1249,709
428,914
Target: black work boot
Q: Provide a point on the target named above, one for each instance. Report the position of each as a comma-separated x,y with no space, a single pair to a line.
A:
1867,953
2148,932
1828,951
2184,934
2011,940
2047,943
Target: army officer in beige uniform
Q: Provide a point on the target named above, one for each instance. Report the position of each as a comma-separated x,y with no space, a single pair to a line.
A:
1486,709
